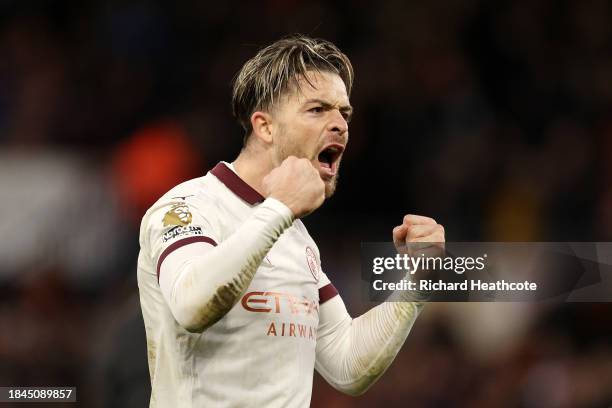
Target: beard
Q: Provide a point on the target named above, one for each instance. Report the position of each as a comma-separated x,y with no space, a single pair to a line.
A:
287,149
331,184
330,187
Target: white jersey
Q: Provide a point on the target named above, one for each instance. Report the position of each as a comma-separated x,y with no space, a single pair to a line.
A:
262,352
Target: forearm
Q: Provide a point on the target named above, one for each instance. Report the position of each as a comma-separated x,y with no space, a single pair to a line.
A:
353,353
201,289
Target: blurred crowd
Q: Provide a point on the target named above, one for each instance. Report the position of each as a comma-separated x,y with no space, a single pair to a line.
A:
493,117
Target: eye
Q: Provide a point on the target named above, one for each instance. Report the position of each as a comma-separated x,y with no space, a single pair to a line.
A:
316,109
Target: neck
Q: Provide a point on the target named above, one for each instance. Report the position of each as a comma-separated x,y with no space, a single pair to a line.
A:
252,168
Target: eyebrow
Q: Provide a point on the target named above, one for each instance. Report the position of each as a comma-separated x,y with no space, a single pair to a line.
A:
348,109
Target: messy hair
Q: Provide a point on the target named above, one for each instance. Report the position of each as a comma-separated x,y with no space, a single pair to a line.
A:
262,80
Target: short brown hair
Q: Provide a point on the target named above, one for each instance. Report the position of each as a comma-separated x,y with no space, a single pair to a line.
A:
264,78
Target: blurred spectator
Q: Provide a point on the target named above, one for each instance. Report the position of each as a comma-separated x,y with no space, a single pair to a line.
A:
149,163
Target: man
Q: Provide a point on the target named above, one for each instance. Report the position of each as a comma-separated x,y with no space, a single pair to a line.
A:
236,307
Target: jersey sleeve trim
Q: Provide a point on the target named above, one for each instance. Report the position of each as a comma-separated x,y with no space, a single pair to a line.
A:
180,244
327,292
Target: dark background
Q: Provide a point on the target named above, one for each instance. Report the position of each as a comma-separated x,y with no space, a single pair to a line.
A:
493,117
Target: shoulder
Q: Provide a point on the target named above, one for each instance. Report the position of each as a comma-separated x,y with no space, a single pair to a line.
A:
198,192
193,202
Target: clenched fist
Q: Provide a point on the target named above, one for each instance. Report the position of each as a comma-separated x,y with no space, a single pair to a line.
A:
297,184
419,235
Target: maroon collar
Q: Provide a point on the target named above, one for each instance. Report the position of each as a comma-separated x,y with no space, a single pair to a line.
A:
237,185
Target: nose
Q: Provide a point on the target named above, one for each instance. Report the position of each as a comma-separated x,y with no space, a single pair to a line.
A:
338,124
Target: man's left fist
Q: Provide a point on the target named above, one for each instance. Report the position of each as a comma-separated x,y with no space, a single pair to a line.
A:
418,234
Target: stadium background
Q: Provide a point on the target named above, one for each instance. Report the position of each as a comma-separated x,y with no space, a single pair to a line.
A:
494,117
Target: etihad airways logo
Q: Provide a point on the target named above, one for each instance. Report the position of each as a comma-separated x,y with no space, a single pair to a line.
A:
278,302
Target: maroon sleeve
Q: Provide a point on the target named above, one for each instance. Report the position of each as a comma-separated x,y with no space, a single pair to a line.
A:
327,292
178,244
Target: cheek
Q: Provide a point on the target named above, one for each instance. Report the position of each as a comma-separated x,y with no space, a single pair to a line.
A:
300,134
310,133
300,137
287,143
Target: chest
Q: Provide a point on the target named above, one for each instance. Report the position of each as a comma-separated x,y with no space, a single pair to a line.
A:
291,266
286,281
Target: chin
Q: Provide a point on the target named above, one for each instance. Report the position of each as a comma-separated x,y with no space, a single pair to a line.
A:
330,187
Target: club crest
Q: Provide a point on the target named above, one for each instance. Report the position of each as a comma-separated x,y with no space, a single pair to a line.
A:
311,259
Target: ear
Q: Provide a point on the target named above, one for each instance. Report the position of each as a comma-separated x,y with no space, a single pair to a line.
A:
261,122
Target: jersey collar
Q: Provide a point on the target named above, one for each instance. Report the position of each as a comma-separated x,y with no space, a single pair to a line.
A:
237,185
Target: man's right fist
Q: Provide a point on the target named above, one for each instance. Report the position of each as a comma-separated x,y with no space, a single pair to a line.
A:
297,184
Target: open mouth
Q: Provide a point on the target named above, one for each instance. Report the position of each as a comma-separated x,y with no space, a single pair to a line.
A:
328,159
